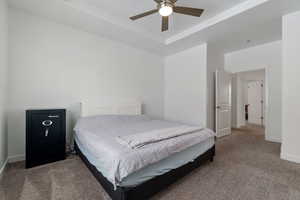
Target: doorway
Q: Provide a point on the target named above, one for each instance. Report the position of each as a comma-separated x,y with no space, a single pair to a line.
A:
249,99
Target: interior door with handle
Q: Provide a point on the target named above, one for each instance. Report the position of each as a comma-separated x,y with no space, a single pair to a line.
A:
223,103
256,103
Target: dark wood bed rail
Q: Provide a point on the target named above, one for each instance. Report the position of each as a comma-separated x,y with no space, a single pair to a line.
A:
149,188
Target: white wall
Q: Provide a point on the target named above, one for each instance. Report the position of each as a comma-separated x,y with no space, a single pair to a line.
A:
290,91
54,65
186,86
241,101
234,96
3,82
190,84
259,57
238,100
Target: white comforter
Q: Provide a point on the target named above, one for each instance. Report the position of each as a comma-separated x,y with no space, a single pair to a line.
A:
139,140
118,161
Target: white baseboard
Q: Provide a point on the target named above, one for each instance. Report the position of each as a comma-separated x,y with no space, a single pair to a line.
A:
291,158
16,158
270,139
3,167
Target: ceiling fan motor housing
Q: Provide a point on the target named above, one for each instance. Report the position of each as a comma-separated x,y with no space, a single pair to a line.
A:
165,3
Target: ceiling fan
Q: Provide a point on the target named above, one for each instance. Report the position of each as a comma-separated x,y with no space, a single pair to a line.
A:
165,8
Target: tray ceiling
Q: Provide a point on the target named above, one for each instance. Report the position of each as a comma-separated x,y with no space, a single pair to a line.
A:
122,9
226,23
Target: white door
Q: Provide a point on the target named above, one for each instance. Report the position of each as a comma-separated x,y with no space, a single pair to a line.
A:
255,101
223,103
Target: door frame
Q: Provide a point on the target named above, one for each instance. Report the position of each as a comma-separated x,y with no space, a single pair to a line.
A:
266,87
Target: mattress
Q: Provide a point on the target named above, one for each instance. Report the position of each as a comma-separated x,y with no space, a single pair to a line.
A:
123,166
172,162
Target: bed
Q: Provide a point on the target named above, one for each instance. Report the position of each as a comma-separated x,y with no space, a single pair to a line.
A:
137,172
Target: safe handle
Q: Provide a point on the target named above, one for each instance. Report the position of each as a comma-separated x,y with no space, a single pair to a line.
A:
46,132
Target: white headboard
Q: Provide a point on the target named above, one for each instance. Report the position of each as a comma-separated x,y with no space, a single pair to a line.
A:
132,107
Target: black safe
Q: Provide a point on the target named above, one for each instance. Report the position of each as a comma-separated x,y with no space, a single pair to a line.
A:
45,136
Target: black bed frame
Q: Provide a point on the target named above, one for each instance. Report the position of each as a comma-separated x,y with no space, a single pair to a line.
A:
149,188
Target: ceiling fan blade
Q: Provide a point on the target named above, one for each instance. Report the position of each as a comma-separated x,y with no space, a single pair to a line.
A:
188,11
144,14
165,24
160,1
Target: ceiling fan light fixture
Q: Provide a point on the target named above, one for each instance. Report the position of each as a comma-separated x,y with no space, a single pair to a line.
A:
165,10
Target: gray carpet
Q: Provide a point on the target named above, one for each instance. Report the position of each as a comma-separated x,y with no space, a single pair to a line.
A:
246,168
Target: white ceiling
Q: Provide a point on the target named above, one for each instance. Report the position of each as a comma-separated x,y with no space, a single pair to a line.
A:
123,9
228,24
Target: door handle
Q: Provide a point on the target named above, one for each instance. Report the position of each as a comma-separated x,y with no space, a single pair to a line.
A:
218,107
